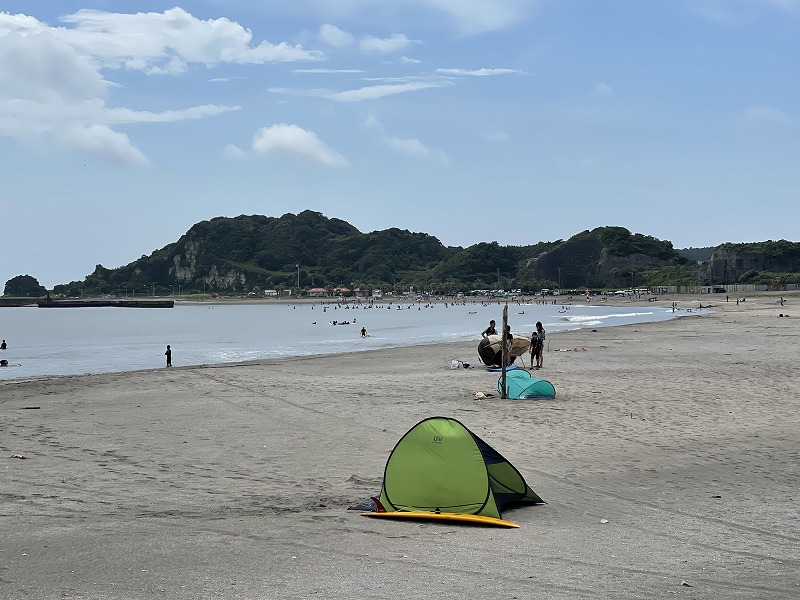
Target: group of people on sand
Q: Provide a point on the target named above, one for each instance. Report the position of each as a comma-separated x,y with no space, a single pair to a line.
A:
537,341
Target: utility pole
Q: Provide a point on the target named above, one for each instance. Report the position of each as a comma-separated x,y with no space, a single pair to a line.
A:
504,353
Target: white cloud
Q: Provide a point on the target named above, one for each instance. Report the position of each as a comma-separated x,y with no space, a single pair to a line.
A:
370,92
42,68
397,41
333,36
325,71
478,72
232,152
414,148
224,79
158,43
409,61
403,78
21,24
163,42
603,89
102,141
765,114
373,92
313,93
51,93
372,122
125,115
52,89
288,139
174,65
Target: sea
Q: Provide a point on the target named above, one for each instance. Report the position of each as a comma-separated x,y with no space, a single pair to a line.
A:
75,341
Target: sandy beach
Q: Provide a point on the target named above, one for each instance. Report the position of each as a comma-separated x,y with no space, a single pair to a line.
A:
670,463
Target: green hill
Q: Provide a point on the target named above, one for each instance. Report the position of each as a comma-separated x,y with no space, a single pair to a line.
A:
252,253
237,255
604,257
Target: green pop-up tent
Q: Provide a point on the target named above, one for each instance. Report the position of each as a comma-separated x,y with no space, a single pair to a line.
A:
441,468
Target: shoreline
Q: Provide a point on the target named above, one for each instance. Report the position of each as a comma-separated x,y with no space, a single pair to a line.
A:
669,456
615,302
561,299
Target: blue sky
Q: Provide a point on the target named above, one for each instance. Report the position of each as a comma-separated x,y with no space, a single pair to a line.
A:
124,123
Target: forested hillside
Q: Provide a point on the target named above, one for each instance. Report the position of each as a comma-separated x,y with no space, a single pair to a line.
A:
253,253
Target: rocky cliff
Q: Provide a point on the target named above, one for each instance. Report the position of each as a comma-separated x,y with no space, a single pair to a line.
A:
603,257
731,263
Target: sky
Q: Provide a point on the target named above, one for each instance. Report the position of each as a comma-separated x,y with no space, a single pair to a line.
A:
123,123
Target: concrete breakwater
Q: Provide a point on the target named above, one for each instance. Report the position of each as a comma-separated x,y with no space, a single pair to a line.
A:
99,303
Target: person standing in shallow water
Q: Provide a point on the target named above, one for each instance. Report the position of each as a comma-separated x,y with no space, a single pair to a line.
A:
168,354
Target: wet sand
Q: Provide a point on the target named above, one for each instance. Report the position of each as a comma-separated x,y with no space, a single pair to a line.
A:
670,462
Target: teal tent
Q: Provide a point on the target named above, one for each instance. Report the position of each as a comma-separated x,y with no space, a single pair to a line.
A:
520,384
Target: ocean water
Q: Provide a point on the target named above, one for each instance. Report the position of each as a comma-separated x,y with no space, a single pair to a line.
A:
72,341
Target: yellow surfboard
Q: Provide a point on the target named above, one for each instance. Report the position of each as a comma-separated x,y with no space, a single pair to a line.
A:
519,344
425,515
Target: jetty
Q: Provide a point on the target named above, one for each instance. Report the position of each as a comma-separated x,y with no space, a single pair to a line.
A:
99,303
